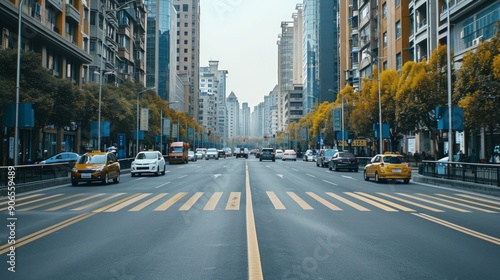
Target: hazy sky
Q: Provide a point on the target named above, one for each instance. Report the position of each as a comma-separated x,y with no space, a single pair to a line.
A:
242,36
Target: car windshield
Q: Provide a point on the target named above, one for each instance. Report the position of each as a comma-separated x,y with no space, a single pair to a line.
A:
346,155
146,156
329,153
393,159
92,159
212,150
176,149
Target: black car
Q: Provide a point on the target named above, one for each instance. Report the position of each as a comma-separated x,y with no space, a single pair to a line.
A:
343,160
267,154
221,154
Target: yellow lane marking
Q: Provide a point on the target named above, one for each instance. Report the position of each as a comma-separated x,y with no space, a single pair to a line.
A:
324,201
496,202
387,202
41,233
456,227
435,203
127,203
457,203
412,203
147,202
191,201
33,201
106,207
165,205
233,203
212,202
97,202
276,201
374,203
254,263
300,201
50,202
22,198
471,202
348,202
74,202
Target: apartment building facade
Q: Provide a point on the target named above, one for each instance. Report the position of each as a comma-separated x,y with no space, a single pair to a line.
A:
59,32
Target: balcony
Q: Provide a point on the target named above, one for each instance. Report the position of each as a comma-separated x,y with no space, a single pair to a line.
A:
58,4
72,13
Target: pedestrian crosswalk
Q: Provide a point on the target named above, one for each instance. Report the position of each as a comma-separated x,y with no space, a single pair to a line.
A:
279,201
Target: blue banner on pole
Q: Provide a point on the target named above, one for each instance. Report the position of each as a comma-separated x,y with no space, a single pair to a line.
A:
141,135
386,130
105,129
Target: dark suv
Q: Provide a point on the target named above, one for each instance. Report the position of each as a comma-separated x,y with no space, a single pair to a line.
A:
267,154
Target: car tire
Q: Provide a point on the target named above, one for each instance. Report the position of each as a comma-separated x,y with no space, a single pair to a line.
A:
157,171
406,181
273,159
329,167
377,178
106,179
336,168
164,170
74,183
117,179
132,174
365,176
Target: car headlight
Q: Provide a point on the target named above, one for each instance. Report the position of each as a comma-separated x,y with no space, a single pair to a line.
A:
100,169
74,170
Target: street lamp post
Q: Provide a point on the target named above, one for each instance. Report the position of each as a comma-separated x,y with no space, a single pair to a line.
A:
18,84
101,68
380,134
379,98
448,57
137,119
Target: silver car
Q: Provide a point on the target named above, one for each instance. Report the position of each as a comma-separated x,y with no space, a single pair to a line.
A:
212,153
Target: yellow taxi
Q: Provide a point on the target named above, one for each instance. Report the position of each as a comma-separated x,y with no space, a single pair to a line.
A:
96,166
388,166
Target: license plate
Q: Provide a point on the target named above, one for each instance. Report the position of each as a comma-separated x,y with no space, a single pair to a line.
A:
396,170
86,175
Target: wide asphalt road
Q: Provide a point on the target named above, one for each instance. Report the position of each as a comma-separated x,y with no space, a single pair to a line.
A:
245,219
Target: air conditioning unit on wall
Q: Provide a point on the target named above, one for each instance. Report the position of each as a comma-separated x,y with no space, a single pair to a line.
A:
477,41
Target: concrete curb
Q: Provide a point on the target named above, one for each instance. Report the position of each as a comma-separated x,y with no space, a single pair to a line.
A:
469,186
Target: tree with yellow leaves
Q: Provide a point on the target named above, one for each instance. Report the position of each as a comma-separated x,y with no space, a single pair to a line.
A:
478,87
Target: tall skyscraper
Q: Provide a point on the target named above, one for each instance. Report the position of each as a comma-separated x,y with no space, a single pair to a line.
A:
160,48
285,70
188,50
233,114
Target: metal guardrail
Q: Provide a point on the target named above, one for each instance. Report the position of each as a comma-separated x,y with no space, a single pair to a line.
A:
25,174
486,174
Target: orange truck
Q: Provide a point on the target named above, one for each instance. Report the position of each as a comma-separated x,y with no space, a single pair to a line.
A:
178,152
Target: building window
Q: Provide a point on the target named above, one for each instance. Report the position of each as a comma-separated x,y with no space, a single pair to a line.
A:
384,10
385,39
398,29
398,2
185,33
185,7
398,62
186,24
